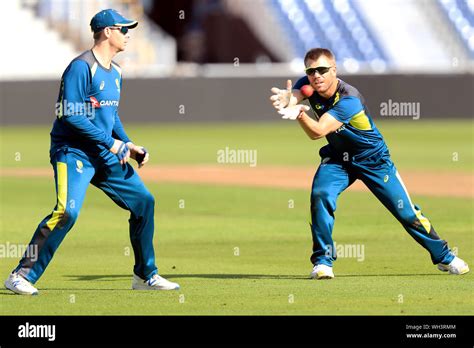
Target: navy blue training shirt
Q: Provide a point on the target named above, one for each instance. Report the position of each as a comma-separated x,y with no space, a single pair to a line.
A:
358,136
87,107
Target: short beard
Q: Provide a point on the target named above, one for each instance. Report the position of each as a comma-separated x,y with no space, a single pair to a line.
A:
328,88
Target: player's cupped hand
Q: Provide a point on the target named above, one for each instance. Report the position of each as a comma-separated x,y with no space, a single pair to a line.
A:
292,112
121,150
139,154
282,98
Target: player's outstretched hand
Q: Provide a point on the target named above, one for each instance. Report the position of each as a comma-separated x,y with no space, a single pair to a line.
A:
121,150
292,112
139,154
282,98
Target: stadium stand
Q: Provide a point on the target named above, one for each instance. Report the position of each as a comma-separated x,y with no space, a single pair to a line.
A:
266,37
35,37
62,27
460,14
333,24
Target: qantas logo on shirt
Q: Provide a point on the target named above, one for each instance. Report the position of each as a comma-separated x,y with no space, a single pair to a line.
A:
109,103
96,104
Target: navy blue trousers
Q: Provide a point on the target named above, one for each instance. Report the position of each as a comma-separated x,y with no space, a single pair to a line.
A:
73,172
382,178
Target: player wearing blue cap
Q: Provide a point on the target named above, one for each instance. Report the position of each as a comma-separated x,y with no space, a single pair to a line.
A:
89,145
356,150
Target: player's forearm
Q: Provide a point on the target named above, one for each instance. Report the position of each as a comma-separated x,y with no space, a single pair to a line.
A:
311,127
119,132
84,128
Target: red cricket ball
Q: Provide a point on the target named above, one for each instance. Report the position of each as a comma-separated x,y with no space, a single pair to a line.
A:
307,91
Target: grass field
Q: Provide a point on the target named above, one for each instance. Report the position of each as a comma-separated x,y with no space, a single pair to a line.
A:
440,145
243,250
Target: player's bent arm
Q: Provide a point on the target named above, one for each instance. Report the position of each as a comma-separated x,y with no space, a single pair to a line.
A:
118,132
318,129
136,152
81,125
74,104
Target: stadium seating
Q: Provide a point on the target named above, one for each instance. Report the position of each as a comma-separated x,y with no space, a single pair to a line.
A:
461,16
29,60
337,25
61,28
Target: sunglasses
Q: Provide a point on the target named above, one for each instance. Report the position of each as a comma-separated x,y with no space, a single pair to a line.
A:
123,30
320,69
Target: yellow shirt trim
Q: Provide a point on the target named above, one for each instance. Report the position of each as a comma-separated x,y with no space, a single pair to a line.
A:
360,121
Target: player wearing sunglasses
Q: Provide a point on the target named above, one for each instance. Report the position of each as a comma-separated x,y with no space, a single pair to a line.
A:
355,151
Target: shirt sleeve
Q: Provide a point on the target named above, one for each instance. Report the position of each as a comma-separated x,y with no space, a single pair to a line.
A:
76,109
118,131
345,109
301,82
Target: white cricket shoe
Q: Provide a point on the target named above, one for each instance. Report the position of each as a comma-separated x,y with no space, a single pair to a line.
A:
322,272
154,283
20,285
457,266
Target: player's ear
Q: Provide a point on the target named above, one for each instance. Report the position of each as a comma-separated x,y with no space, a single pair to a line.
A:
107,32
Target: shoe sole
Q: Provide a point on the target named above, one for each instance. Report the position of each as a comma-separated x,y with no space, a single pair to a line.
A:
321,277
464,271
152,288
12,289
324,277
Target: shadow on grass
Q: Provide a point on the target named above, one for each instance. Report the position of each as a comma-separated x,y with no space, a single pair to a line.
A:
41,289
100,277
110,277
276,276
6,293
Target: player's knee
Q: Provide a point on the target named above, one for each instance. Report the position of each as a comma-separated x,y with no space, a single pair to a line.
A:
145,203
148,199
67,218
320,194
407,217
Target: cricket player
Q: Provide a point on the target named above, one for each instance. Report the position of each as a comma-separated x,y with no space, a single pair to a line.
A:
356,150
89,145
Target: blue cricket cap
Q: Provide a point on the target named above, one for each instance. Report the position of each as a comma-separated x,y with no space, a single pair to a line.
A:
110,18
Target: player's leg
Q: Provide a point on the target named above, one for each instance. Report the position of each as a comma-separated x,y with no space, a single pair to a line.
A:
125,187
72,174
330,180
387,185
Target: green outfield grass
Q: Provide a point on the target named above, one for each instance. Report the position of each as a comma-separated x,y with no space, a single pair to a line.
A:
241,250
419,145
237,251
